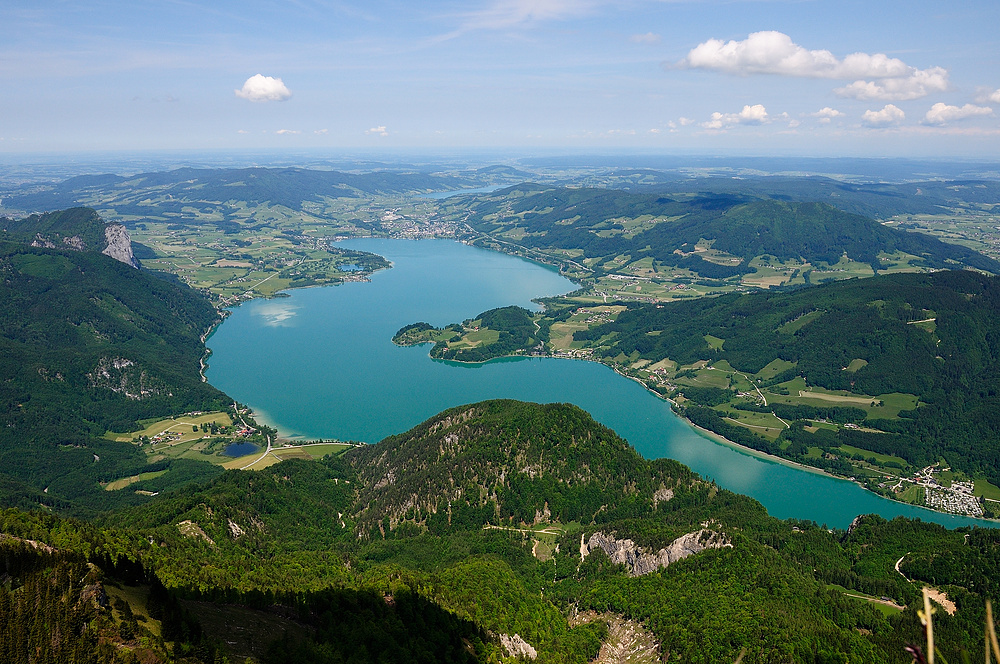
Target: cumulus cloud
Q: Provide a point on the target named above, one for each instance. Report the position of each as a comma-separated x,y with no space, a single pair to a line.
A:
648,38
827,114
320,132
750,115
378,131
992,96
282,132
772,52
889,116
918,84
264,88
941,113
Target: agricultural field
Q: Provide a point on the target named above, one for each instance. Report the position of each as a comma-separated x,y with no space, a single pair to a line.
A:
259,461
174,430
561,333
254,262
974,226
198,437
645,280
205,437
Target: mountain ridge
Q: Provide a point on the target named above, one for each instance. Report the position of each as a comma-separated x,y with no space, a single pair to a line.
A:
604,223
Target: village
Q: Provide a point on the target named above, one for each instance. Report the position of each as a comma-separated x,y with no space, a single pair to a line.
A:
956,498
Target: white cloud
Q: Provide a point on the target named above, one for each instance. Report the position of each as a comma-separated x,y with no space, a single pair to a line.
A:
750,115
378,131
682,121
282,132
648,38
320,132
994,97
827,114
242,131
889,115
919,84
276,314
941,113
264,88
772,52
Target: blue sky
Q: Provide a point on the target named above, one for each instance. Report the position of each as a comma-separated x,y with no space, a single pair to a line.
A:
876,78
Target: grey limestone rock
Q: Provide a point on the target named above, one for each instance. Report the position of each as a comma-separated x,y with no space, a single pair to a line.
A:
119,244
517,647
641,561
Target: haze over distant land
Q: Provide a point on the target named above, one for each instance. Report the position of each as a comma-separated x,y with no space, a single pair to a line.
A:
914,79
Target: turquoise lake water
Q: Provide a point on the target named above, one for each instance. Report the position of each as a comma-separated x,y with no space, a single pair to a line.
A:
321,364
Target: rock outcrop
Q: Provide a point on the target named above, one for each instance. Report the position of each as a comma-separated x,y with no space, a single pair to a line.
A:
517,647
641,561
119,244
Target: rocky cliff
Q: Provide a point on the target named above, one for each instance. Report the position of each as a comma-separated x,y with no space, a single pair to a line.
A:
641,561
119,244
78,229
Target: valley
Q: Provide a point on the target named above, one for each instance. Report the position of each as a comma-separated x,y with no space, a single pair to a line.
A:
497,528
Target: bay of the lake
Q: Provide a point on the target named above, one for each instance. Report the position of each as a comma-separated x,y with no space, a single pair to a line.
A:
321,364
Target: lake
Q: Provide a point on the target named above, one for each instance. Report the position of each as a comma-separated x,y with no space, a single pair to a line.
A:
321,364
240,449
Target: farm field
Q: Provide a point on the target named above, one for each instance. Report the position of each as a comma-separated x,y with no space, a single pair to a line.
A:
180,426
279,454
253,263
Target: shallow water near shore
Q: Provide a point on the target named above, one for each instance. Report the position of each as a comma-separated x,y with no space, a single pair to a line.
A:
321,364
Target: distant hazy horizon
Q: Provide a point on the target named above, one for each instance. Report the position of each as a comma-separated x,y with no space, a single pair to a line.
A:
18,170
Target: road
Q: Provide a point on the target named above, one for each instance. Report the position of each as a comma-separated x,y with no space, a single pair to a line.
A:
261,457
762,397
523,530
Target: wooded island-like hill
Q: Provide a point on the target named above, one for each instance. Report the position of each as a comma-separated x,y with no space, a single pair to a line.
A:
676,231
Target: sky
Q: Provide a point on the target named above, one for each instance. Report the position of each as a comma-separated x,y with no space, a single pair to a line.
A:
914,78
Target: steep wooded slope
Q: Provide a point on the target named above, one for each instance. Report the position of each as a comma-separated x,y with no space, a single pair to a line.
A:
762,586
89,344
506,462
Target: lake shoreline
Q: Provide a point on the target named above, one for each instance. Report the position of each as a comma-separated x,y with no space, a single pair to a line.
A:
445,281
712,435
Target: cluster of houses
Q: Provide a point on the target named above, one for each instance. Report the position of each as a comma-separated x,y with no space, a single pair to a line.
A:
958,498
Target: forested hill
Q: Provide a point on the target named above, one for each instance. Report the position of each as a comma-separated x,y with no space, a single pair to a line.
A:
605,223
506,463
880,200
290,187
89,344
933,335
503,518
78,229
